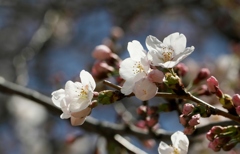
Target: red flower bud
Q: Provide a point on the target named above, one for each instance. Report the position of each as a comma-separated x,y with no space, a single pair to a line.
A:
212,83
203,74
236,99
187,108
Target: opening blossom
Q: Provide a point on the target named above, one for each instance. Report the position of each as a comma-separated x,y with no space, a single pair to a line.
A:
76,96
168,53
180,144
134,71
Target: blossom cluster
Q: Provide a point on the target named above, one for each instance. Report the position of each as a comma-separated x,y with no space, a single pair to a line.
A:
140,70
141,75
75,99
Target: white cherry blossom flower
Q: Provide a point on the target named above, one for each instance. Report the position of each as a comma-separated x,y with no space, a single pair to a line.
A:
134,68
76,96
180,144
144,89
168,53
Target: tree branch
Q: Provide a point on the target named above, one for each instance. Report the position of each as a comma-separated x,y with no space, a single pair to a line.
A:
126,144
91,124
188,96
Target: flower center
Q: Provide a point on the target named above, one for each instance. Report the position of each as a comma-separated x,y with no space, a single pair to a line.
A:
137,68
83,93
175,151
144,92
167,54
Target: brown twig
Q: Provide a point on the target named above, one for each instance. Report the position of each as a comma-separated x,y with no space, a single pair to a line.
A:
91,124
188,96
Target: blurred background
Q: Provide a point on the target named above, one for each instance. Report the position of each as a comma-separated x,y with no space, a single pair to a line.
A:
44,43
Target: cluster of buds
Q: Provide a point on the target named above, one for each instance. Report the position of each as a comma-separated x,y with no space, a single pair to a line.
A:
223,137
149,116
225,100
189,118
106,62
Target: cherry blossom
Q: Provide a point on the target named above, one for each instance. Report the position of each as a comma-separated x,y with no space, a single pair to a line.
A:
144,89
180,144
134,70
76,96
168,53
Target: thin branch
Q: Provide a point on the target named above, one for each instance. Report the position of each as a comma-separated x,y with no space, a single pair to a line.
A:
126,144
91,124
188,96
112,85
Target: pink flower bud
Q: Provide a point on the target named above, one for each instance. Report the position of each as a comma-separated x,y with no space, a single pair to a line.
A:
151,121
236,99
210,136
182,120
219,93
141,124
101,68
189,130
203,74
101,52
141,109
214,147
212,83
217,129
150,143
220,141
238,110
156,76
182,69
203,90
117,32
195,120
187,108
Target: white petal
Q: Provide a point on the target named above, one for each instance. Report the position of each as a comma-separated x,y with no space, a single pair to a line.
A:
180,140
87,79
155,57
128,85
65,115
163,148
168,64
184,54
152,43
79,105
177,59
170,39
179,44
58,96
145,89
128,69
145,63
73,90
136,50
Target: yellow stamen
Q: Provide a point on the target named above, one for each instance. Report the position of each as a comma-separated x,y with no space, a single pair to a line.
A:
137,68
167,54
